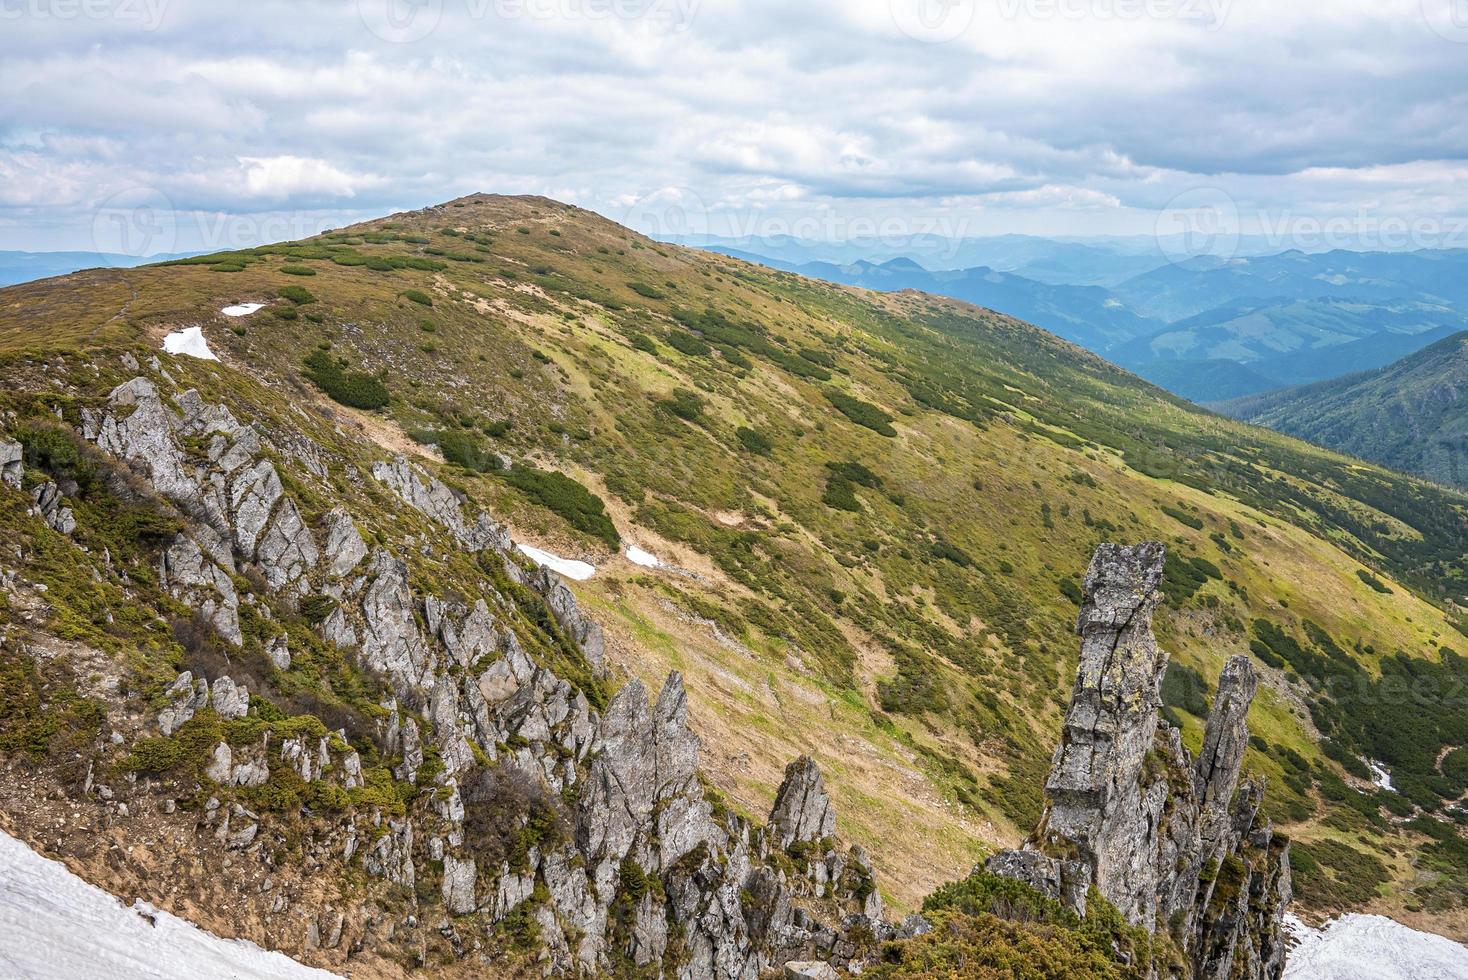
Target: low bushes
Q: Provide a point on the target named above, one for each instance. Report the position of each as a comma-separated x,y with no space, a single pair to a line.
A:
354,389
862,413
563,496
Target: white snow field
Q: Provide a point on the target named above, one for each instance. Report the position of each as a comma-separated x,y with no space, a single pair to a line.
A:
578,571
190,342
244,309
646,559
1372,947
54,926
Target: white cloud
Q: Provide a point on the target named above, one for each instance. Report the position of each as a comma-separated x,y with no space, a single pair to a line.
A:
1042,115
287,177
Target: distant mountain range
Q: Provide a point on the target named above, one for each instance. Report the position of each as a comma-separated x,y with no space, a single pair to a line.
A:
1177,291
1265,323
1411,415
1085,315
1253,347
19,267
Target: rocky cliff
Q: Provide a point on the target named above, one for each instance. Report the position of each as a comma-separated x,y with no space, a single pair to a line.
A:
1173,842
504,806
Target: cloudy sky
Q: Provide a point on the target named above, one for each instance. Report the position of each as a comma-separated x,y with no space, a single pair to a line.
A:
157,125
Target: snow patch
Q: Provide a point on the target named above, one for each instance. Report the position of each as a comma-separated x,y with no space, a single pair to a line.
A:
644,558
244,309
1380,775
190,342
54,924
1371,947
578,571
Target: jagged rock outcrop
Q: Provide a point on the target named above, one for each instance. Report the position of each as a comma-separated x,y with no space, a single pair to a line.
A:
12,467
436,501
632,863
1161,836
345,548
51,506
803,812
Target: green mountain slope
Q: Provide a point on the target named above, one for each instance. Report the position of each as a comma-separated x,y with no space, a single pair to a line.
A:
1411,415
872,511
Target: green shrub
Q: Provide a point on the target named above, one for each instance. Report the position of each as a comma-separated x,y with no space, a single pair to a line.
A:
351,388
417,296
1183,517
686,343
299,295
1373,582
459,448
563,496
753,441
644,343
643,289
862,413
855,473
298,270
948,551
841,495
685,404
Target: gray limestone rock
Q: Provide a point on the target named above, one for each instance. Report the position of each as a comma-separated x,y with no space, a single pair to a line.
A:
345,548
802,811
51,507
437,502
196,579
185,697
583,629
458,885
12,468
231,700
139,429
1128,810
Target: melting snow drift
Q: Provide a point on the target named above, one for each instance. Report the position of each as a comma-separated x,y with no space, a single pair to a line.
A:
53,924
644,558
244,309
578,571
189,342
1380,775
1371,947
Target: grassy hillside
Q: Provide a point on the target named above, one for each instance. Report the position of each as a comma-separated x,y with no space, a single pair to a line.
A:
1411,415
878,506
